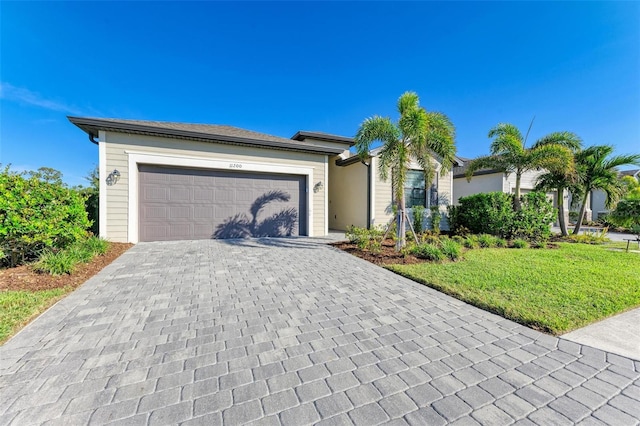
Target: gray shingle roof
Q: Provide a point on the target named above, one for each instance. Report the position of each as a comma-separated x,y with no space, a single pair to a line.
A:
201,132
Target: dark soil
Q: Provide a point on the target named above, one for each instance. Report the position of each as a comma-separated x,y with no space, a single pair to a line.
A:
387,256
24,278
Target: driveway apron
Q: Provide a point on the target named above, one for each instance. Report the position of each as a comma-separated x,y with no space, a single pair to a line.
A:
290,331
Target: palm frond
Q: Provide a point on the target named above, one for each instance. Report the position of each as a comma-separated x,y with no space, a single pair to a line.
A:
408,101
507,138
551,157
374,129
567,139
496,162
413,125
441,139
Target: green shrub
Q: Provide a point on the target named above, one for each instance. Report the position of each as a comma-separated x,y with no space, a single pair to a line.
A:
436,218
501,242
533,219
493,213
450,249
65,261
38,212
519,243
471,242
365,239
95,245
56,263
626,213
487,241
458,239
418,218
590,237
428,251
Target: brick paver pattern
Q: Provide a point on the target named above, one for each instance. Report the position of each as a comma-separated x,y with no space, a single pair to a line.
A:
290,331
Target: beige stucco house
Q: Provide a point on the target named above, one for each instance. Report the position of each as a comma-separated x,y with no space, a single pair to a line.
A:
176,181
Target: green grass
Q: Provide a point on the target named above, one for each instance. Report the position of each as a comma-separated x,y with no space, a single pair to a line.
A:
17,308
554,290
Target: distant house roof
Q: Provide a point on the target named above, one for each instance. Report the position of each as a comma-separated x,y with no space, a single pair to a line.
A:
199,132
633,172
303,134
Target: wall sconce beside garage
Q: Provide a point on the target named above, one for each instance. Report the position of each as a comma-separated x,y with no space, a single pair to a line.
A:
113,177
318,187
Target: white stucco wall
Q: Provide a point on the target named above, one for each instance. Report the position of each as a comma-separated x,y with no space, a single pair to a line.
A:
478,184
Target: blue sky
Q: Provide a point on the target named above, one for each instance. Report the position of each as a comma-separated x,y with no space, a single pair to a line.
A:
287,66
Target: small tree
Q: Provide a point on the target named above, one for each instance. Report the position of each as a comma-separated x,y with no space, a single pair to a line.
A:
418,135
509,154
598,169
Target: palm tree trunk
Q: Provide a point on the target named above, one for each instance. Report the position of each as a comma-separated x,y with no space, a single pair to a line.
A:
516,199
401,231
561,221
583,208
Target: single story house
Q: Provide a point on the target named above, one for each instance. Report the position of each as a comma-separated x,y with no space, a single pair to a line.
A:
178,181
491,180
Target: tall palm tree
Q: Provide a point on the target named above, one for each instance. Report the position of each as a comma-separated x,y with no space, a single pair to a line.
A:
419,135
509,154
598,170
559,180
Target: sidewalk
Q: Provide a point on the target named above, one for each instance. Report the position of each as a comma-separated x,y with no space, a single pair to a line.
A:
619,334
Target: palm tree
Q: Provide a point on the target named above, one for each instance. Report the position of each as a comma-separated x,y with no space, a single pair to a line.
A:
509,154
418,135
557,181
597,170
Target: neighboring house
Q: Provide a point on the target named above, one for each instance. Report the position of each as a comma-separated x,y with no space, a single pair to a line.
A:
598,198
490,180
176,181
354,183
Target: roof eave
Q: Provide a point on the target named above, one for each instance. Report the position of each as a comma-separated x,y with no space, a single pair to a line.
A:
303,134
92,126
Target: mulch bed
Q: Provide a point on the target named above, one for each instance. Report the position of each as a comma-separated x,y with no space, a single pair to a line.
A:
387,256
24,278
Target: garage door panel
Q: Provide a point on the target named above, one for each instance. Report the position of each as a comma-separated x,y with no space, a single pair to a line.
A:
180,203
179,194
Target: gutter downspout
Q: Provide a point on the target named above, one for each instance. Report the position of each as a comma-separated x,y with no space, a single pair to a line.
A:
92,138
368,165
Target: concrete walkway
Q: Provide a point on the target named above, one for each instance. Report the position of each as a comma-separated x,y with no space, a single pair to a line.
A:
293,332
619,334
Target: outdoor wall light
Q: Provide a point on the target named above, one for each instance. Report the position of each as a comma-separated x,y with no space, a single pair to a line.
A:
113,177
318,187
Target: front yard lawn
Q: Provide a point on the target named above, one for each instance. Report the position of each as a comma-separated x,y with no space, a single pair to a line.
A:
553,290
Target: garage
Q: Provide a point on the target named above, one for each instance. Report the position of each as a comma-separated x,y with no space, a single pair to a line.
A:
186,204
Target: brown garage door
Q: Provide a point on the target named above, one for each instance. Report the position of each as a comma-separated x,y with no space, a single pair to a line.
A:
188,204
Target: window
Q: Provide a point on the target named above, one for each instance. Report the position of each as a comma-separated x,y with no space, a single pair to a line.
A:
414,189
415,192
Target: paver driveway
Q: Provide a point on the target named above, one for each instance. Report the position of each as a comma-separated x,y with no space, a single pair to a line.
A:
293,332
